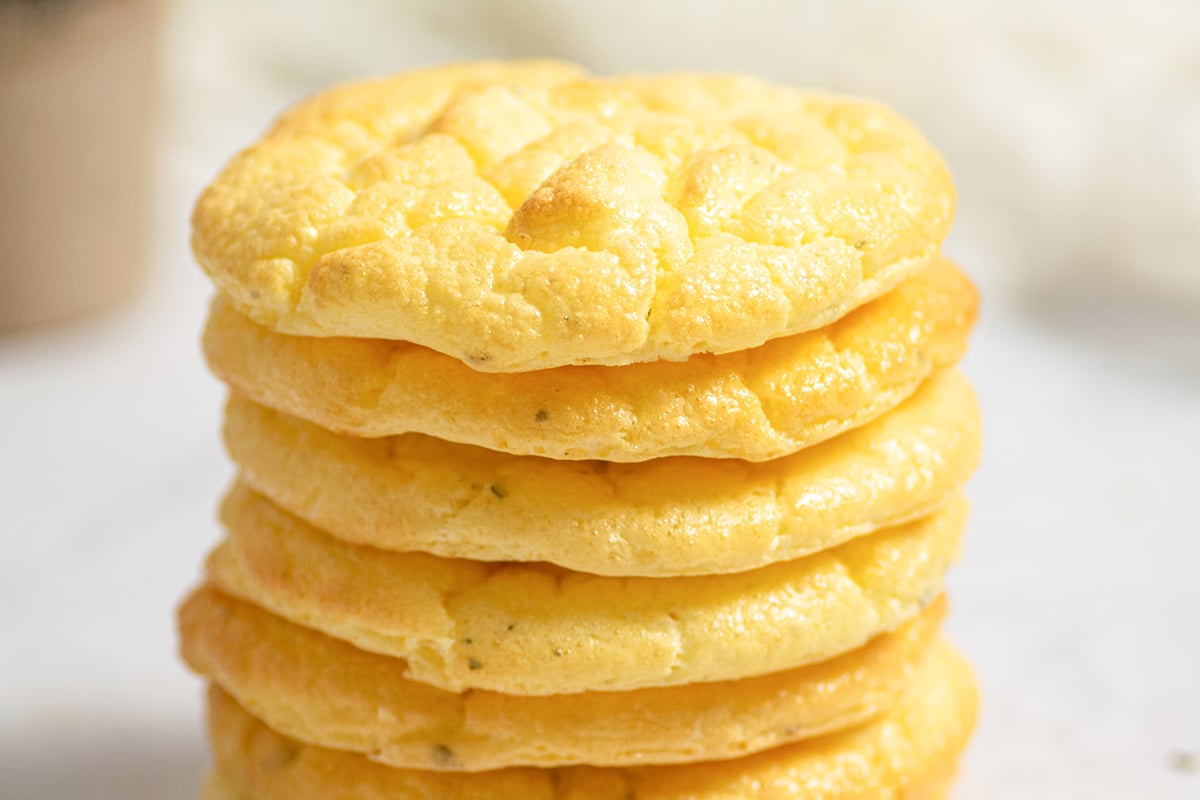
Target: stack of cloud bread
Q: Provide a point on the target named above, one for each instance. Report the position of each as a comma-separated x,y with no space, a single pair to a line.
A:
596,438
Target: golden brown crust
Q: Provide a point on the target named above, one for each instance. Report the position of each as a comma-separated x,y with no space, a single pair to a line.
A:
670,516
537,629
524,216
322,691
908,754
757,405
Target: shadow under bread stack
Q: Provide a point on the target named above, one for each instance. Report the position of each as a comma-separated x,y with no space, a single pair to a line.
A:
596,438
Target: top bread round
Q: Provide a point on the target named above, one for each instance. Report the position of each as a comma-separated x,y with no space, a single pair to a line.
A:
520,216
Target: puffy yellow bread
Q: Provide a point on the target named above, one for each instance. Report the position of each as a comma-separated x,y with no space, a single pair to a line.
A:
538,629
756,405
909,753
524,216
669,516
217,787
322,691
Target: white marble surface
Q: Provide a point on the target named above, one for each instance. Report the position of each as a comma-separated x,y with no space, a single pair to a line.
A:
1077,598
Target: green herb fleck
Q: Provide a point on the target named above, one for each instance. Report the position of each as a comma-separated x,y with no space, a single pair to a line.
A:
558,651
860,244
282,755
474,664
1182,761
443,755
542,415
499,490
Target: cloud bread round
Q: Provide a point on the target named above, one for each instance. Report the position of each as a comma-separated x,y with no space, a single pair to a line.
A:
524,216
670,516
322,691
757,405
538,629
911,752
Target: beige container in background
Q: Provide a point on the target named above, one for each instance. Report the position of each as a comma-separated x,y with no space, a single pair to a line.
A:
78,85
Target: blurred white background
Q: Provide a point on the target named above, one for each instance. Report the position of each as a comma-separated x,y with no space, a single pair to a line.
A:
1073,129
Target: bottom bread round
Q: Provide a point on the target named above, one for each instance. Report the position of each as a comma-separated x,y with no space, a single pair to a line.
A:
910,752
